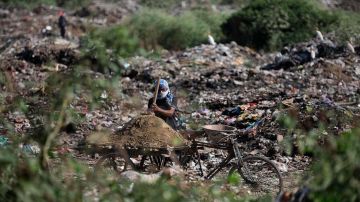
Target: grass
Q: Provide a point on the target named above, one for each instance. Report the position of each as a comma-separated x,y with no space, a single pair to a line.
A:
157,29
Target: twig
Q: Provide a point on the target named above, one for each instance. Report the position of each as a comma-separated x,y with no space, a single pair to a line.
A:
52,135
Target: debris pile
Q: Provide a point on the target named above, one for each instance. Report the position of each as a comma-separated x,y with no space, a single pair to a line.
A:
145,131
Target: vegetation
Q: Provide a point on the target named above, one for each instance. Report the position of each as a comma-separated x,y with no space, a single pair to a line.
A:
157,29
348,27
105,49
335,171
336,159
24,179
34,3
271,24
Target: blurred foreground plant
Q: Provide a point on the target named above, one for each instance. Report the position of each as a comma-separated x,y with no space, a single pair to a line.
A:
333,175
105,49
335,172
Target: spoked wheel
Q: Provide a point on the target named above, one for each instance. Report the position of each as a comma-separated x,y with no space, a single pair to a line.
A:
113,162
260,174
153,163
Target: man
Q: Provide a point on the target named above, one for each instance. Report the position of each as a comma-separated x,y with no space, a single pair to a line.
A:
62,23
165,106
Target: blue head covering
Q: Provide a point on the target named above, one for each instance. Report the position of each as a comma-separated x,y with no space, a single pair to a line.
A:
164,84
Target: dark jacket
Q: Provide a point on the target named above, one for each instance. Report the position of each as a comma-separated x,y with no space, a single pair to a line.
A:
164,104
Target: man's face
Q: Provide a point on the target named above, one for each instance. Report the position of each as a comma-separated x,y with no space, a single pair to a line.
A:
162,89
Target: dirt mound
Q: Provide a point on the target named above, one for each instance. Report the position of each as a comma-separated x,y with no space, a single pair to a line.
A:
145,131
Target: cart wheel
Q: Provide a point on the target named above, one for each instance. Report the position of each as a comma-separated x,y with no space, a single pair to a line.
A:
113,162
260,174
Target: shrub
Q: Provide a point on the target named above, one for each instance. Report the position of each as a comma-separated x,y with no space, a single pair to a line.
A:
336,169
156,29
104,49
348,27
270,24
184,32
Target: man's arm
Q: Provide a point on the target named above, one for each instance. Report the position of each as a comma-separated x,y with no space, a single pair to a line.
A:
167,113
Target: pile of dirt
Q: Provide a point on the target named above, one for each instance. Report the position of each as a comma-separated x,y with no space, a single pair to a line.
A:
146,131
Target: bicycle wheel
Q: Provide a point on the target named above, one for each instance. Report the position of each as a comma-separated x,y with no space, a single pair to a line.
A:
153,163
260,174
113,162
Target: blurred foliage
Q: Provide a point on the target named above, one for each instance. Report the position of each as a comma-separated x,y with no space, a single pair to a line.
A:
335,172
271,24
316,131
34,3
105,49
23,179
157,29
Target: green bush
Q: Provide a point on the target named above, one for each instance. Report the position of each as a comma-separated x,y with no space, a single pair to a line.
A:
348,27
104,49
336,169
156,29
270,24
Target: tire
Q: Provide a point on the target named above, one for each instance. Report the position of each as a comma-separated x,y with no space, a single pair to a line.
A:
260,174
113,162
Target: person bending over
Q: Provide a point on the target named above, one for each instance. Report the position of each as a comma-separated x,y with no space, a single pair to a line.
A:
165,106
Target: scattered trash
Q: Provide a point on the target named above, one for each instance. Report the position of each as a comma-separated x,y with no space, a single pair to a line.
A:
47,31
232,112
30,149
3,141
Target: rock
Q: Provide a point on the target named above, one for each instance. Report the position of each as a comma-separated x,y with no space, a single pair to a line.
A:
134,176
281,166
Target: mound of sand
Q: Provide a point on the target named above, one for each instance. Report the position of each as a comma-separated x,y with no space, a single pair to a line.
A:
145,131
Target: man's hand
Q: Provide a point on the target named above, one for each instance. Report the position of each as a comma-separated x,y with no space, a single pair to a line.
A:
167,113
155,108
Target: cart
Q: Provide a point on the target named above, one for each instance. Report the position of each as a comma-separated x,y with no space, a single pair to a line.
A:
258,172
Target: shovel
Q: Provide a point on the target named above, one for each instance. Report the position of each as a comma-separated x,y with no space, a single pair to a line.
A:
156,90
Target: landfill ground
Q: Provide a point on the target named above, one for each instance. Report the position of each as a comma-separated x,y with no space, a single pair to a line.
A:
207,79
